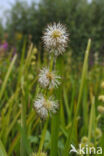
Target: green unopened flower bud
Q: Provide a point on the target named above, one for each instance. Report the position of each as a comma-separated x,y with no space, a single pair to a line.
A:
84,140
98,133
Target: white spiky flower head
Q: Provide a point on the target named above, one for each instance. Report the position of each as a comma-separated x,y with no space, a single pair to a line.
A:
55,38
44,106
48,79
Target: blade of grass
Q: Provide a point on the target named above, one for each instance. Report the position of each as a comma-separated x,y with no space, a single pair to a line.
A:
16,139
24,100
69,139
7,76
85,109
2,150
72,99
54,134
43,136
92,120
13,123
66,103
23,127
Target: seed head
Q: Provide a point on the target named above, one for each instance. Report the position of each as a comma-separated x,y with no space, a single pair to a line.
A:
101,98
44,106
48,79
100,109
55,38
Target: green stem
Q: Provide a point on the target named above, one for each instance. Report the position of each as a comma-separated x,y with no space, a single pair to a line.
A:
54,135
23,127
92,121
2,149
43,136
51,62
7,76
69,139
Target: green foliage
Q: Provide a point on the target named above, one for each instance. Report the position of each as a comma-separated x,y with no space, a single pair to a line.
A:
83,20
21,127
22,131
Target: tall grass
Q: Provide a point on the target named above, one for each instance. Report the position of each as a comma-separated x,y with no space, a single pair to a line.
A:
22,132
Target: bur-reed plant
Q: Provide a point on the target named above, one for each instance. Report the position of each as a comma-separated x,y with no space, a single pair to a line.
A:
45,104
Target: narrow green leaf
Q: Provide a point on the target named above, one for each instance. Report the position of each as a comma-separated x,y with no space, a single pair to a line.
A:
73,128
2,149
54,134
7,76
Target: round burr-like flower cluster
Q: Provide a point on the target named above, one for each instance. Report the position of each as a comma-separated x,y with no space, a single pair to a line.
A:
100,109
55,38
101,98
98,133
48,79
45,106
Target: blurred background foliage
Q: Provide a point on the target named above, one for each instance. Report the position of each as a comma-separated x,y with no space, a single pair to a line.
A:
83,20
18,75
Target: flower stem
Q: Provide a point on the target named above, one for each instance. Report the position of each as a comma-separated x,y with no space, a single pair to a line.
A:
73,129
51,62
23,128
43,136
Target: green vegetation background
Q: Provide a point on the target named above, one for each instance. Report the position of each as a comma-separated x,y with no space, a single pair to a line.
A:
83,20
80,87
